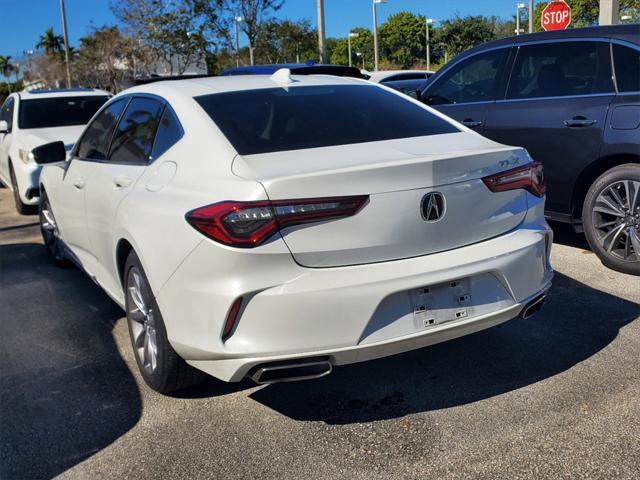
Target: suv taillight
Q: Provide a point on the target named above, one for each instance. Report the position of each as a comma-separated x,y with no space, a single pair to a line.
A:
248,224
530,177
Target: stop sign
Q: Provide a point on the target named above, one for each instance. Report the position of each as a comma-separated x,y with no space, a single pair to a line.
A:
556,15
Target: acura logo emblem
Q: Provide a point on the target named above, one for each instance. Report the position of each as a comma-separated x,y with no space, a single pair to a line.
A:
433,206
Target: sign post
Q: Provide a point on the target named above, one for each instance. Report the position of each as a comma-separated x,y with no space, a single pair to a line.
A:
556,15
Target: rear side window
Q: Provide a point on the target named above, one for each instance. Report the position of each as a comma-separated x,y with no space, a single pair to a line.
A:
280,119
58,111
472,80
169,132
94,144
627,64
558,70
405,76
133,139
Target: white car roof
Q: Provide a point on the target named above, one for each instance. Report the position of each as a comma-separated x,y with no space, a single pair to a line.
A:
382,74
233,83
62,92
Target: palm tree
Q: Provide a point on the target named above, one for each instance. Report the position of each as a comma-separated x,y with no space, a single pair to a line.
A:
50,42
6,67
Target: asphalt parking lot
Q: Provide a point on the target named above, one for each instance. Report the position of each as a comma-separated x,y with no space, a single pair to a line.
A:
555,396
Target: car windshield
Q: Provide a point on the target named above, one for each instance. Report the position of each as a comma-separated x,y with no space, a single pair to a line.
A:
280,119
58,111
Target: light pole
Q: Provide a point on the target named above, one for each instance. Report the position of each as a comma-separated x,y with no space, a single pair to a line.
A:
236,23
519,6
349,37
66,42
321,36
531,10
428,22
375,33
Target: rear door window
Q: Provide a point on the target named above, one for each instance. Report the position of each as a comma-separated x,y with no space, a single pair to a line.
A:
94,143
133,138
474,79
561,69
280,119
169,132
627,65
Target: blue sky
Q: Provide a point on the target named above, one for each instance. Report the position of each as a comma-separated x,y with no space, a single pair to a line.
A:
24,20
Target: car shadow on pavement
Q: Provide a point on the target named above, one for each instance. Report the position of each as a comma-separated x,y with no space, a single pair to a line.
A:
564,234
65,391
576,323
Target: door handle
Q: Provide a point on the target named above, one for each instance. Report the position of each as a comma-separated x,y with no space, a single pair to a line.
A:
469,122
122,181
579,122
79,183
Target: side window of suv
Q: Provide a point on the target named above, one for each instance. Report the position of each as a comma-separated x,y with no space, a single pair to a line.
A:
94,144
627,65
133,138
561,69
6,112
472,80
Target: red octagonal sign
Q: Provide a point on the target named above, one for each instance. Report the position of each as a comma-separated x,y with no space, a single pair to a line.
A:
556,15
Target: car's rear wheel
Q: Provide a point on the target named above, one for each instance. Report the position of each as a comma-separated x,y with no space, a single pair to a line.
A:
611,217
159,364
21,207
51,234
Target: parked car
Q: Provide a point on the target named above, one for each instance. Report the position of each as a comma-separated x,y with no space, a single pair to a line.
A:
408,87
572,99
384,76
296,69
274,227
30,119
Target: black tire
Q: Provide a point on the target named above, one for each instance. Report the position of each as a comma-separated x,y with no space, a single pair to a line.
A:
21,207
611,236
169,372
50,234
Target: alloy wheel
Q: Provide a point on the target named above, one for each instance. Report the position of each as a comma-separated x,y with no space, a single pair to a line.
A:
616,220
141,319
50,232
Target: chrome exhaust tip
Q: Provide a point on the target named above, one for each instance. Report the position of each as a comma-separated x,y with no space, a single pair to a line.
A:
291,371
533,306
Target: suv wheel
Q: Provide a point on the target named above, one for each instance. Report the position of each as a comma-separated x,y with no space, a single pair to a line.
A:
159,364
611,218
21,207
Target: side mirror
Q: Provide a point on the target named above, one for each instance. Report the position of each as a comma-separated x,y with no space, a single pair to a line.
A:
53,152
414,94
4,126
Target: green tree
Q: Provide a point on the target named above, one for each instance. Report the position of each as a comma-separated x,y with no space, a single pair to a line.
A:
586,12
403,39
253,13
51,43
6,67
362,43
283,41
462,33
178,33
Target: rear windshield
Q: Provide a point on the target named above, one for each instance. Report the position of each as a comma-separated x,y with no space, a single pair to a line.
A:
279,119
58,111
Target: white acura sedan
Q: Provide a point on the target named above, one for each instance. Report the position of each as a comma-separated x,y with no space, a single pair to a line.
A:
275,227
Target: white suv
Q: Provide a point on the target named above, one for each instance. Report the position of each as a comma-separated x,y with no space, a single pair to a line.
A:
30,119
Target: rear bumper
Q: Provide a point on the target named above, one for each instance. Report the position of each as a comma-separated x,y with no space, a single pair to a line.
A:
349,314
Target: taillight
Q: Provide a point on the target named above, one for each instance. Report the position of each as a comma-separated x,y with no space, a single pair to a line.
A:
530,177
248,224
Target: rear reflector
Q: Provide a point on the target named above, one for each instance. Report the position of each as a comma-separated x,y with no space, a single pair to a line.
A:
232,317
530,177
249,224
